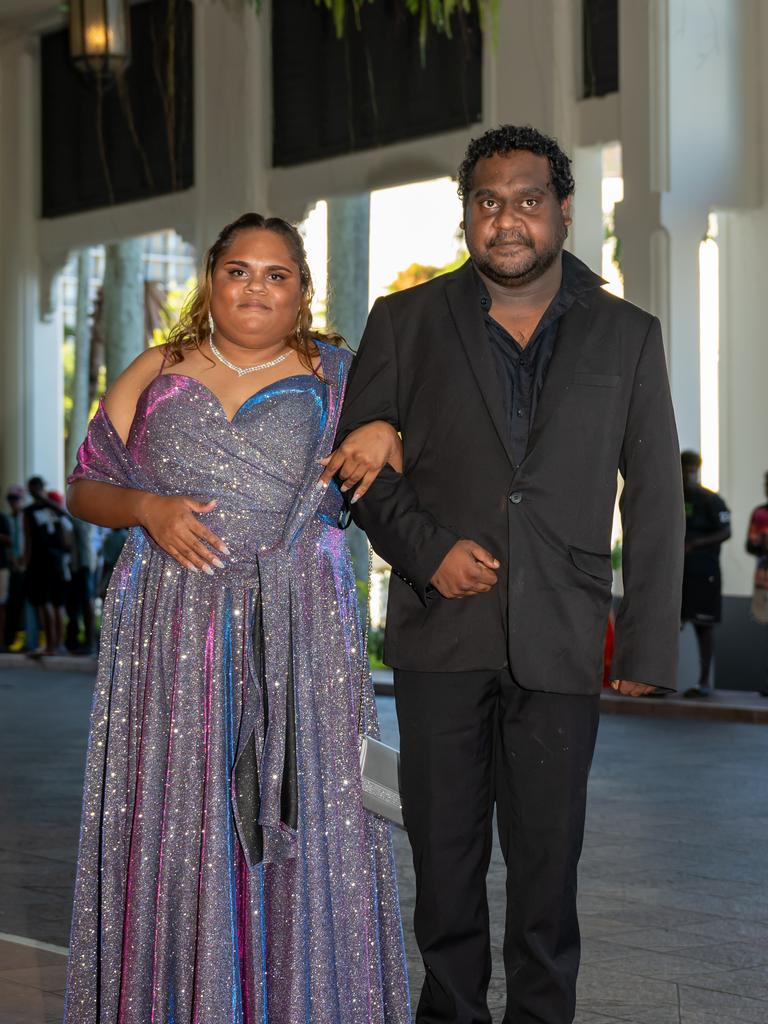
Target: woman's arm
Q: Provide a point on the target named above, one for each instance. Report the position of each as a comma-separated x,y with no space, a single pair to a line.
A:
362,455
170,520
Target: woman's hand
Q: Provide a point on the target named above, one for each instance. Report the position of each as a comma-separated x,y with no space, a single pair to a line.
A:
172,524
362,455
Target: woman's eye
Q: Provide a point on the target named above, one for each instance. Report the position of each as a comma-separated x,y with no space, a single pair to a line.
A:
236,272
277,277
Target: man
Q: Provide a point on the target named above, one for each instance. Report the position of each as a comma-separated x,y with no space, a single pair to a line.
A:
520,389
757,545
6,544
16,607
707,526
46,542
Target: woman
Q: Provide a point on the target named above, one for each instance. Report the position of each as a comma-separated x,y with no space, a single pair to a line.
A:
228,873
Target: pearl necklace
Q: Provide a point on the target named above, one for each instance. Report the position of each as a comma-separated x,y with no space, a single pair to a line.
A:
241,371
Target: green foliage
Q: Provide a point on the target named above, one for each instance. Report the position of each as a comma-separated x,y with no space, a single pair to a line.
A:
418,273
438,14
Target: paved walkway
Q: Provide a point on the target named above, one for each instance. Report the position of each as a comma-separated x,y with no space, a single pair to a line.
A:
674,902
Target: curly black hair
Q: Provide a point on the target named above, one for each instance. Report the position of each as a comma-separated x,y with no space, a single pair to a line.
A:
508,137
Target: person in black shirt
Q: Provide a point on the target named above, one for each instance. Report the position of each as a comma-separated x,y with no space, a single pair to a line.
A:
46,543
707,526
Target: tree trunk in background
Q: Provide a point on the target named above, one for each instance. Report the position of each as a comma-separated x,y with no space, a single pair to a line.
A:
123,306
78,421
348,272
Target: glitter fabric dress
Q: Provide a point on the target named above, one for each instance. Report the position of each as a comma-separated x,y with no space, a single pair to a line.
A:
227,872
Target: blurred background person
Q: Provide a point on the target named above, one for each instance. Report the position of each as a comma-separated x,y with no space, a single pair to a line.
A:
46,545
707,526
110,552
757,545
6,543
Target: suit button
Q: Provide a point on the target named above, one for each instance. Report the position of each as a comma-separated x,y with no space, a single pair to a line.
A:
516,497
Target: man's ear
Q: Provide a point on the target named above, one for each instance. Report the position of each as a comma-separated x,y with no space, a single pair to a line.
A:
565,206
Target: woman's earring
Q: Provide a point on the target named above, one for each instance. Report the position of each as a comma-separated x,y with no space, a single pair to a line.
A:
210,324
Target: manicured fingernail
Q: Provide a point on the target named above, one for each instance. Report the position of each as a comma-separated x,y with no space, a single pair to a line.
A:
218,563
345,487
207,569
193,568
357,497
321,485
225,550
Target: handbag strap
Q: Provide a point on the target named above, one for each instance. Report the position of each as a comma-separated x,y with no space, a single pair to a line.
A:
365,667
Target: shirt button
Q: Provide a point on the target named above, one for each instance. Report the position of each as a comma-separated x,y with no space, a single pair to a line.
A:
519,412
516,497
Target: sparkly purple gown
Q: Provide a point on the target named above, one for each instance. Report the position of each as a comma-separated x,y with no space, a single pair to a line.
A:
228,873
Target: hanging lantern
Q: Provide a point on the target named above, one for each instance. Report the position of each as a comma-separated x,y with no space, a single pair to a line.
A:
100,36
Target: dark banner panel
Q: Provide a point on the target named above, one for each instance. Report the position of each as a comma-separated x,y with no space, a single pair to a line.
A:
600,36
372,87
132,139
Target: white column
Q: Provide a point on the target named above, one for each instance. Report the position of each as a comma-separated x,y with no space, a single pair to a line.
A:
30,336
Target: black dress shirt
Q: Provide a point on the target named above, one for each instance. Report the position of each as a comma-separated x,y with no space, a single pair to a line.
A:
522,370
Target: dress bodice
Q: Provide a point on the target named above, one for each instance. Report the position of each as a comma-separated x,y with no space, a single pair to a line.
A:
253,466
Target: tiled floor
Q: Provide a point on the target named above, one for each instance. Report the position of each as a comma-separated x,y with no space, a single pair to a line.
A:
674,902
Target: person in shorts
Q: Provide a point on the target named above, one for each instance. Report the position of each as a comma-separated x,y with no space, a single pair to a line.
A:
707,526
46,544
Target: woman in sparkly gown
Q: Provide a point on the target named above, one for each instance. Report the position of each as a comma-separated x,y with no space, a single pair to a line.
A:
228,873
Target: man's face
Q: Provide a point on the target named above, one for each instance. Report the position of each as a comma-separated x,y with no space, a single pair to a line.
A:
691,475
514,224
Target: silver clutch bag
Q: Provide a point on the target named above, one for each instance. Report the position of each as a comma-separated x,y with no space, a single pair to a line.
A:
380,770
379,764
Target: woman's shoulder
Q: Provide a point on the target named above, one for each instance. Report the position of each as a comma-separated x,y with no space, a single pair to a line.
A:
122,396
334,355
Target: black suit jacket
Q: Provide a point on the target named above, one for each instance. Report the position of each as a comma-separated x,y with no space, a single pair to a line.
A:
425,365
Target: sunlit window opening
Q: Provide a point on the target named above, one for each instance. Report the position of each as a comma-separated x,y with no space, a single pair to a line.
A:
612,193
709,355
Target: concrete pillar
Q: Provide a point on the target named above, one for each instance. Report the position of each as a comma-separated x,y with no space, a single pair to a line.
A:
31,384
348,274
123,306
78,422
348,264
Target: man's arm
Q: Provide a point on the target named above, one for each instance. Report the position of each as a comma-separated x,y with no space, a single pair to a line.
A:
648,622
400,530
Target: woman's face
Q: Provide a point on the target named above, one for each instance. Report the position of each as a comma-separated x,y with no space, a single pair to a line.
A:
256,290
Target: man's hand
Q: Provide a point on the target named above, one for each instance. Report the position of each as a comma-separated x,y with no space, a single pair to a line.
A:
630,689
362,455
467,569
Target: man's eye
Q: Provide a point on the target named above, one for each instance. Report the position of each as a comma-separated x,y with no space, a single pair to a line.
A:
530,204
489,203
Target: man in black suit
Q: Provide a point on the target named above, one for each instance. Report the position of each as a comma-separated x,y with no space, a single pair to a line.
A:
521,389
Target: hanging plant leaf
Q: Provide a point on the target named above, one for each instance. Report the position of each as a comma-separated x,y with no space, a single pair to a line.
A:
435,13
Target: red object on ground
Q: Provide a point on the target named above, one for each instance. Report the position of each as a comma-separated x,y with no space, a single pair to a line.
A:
608,652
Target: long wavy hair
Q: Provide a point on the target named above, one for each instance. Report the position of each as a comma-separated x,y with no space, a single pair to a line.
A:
193,326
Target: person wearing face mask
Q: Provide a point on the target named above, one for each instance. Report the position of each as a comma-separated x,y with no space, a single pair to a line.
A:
227,868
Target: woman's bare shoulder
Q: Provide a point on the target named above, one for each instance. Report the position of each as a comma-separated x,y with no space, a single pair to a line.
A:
122,396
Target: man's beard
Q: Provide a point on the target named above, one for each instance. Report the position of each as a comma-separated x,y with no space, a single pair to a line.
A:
532,264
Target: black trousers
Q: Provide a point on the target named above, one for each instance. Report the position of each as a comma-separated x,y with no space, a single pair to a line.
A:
470,741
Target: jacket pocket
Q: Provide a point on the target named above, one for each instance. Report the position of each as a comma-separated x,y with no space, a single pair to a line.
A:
593,564
597,380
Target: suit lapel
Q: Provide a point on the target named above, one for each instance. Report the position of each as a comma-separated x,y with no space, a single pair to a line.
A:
461,293
571,337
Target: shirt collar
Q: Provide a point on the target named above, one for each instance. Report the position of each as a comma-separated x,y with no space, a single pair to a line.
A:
576,280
